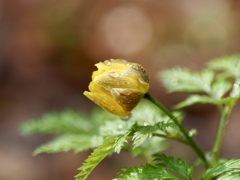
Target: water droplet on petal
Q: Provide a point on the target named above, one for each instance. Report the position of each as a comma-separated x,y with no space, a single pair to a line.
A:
141,80
107,62
126,117
113,74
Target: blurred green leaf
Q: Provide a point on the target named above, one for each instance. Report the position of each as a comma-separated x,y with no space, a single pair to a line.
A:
115,127
58,122
235,93
184,80
195,99
220,88
147,148
67,142
229,64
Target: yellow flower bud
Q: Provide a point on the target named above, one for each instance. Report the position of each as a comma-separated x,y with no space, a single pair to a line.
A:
118,85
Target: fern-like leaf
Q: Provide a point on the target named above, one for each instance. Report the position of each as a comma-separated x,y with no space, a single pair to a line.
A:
219,88
184,80
229,64
235,93
95,158
67,142
177,166
120,141
57,122
149,147
147,172
142,134
230,167
146,132
195,99
229,177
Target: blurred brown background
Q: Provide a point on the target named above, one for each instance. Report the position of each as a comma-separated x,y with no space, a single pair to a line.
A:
48,49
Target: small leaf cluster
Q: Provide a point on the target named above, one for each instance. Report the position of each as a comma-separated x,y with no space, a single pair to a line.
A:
216,84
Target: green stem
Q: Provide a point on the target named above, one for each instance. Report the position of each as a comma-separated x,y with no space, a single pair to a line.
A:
189,139
172,138
225,111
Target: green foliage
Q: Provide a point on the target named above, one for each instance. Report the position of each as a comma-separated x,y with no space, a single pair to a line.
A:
146,131
95,158
223,170
184,80
148,172
195,99
58,122
79,132
67,142
165,168
214,82
230,65
177,166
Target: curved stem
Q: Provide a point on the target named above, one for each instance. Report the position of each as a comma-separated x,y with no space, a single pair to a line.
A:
225,111
189,139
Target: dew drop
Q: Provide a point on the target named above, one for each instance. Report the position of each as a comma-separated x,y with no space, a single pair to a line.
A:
236,85
174,82
145,124
113,74
206,87
107,62
141,80
120,126
126,117
135,67
192,132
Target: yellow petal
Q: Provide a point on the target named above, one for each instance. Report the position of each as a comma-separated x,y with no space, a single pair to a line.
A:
108,103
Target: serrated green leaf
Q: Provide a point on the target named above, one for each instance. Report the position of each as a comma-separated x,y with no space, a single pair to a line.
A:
67,142
146,113
229,64
149,147
147,172
57,122
184,80
220,88
95,158
142,134
230,167
146,132
177,166
120,141
229,177
115,127
196,99
235,93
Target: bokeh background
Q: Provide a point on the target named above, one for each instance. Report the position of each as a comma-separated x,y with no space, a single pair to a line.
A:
48,49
